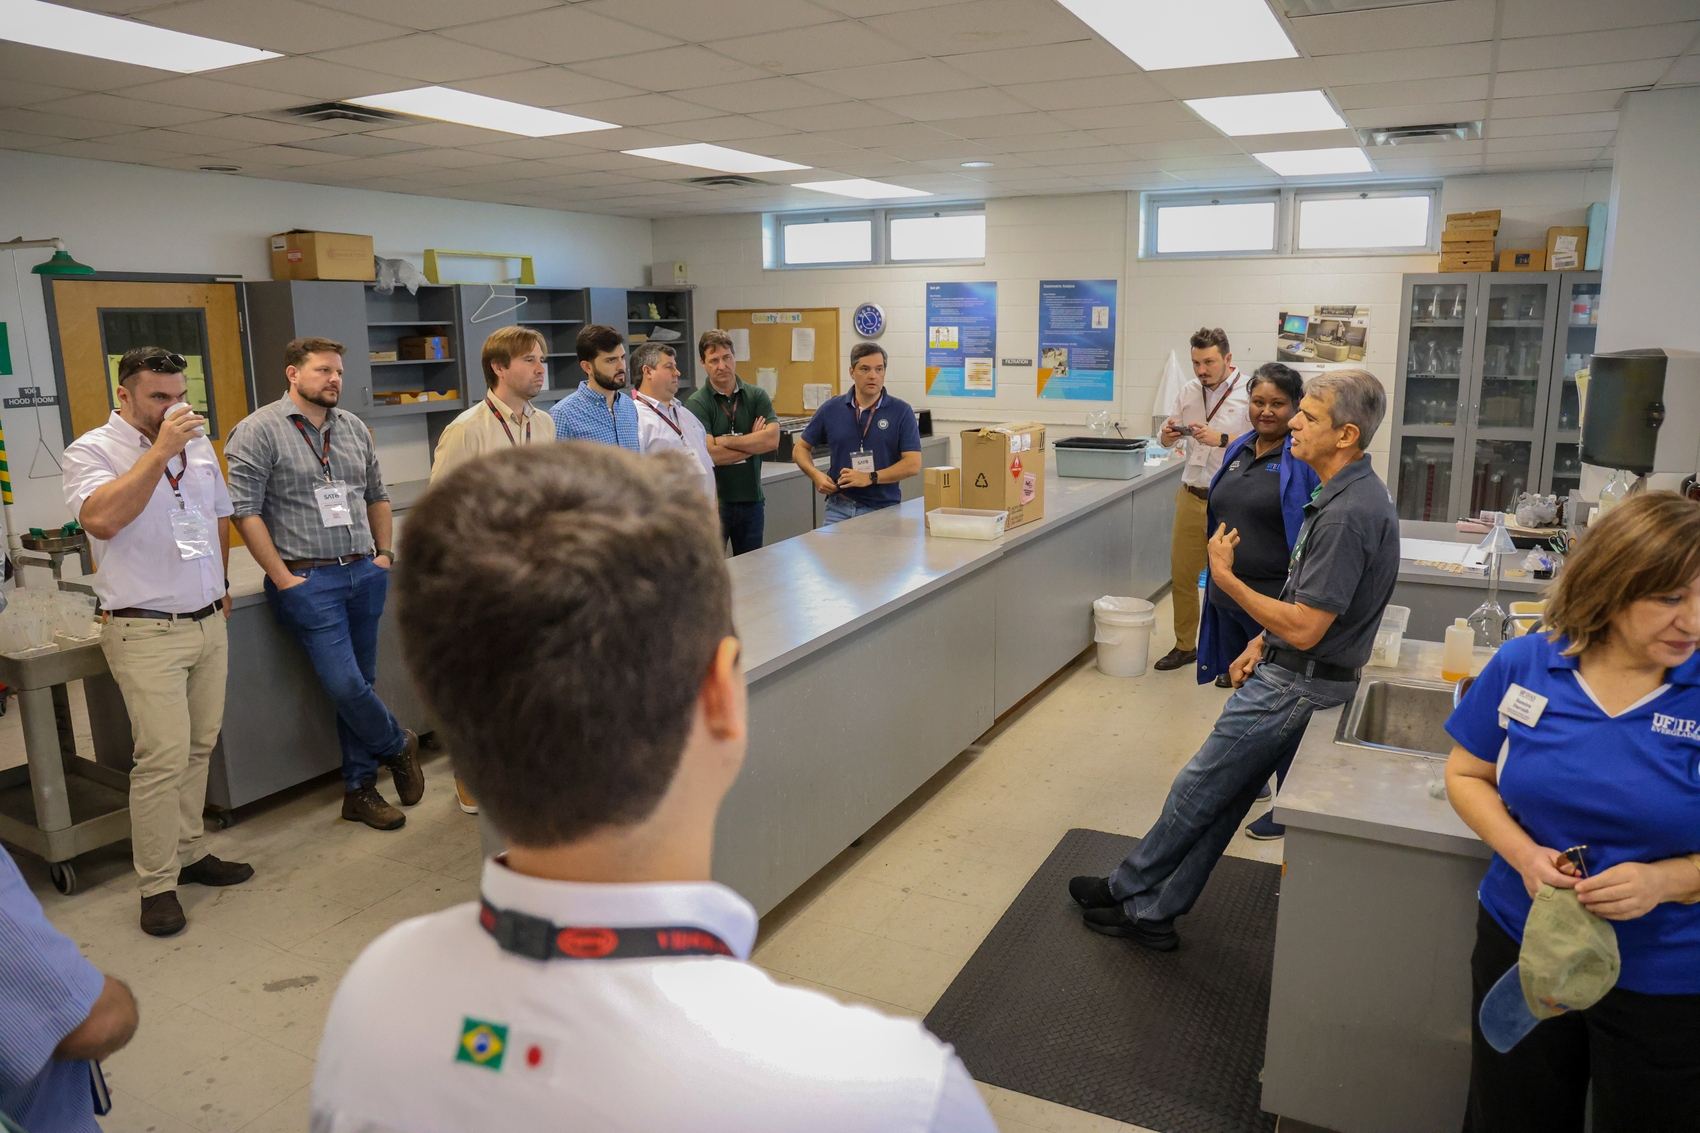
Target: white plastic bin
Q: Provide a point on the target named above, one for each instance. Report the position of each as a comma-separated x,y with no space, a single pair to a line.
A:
1122,629
965,523
1389,635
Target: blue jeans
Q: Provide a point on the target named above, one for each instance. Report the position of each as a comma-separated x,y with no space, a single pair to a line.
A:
742,523
1259,729
841,507
334,615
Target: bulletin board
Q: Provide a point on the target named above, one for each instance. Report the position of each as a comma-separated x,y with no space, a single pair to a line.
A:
770,345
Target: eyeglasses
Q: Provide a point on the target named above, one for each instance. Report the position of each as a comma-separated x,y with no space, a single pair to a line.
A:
167,363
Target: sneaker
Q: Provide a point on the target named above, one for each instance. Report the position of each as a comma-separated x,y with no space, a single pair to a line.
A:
368,806
212,871
1265,792
468,804
1148,934
405,771
1176,658
162,914
1091,892
1266,829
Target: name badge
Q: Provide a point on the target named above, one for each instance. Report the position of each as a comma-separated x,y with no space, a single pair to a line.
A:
192,533
1521,705
862,461
332,499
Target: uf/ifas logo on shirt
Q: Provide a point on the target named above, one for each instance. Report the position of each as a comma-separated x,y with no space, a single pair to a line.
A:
1676,726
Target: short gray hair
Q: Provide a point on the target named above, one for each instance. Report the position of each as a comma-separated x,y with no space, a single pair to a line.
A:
1356,397
648,354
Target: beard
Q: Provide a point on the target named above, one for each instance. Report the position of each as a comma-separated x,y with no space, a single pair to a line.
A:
612,382
327,397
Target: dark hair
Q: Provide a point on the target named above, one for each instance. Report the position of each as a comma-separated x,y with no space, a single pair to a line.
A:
594,339
295,351
1205,337
711,339
1645,546
506,344
862,349
1284,378
140,358
648,354
566,678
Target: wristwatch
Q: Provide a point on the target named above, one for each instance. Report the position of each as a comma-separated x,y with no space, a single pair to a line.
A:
1225,439
386,552
874,476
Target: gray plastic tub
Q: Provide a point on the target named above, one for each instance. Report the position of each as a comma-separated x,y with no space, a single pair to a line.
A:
1101,458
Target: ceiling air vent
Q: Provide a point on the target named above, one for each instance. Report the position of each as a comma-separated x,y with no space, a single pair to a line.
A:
1420,135
342,112
723,181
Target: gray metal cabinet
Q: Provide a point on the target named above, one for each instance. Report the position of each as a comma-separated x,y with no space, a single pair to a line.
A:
279,310
1483,409
558,313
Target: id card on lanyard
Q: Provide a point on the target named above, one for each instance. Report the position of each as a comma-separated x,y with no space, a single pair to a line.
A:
331,496
191,531
503,421
862,460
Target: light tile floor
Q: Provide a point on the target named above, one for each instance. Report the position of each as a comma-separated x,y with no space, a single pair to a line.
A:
232,1008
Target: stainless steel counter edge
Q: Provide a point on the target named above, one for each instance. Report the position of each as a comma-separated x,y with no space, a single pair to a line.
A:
772,470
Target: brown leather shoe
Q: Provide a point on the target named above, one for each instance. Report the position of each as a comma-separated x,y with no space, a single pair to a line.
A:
214,871
368,806
409,777
162,915
1176,658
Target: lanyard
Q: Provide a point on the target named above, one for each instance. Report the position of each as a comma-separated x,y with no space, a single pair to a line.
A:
176,481
539,939
504,423
671,424
857,411
1209,412
325,456
731,414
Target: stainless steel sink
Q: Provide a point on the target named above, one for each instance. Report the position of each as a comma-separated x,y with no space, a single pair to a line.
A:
1399,715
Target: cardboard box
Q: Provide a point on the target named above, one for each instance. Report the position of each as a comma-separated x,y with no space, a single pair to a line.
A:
1003,469
1567,248
1481,218
422,346
942,487
1523,259
299,254
1470,242
1466,263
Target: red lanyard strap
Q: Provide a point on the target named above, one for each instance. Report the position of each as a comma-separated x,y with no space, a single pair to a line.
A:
671,424
325,456
856,410
1209,412
177,480
504,423
538,939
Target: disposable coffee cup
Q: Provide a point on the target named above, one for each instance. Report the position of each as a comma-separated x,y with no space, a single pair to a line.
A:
183,407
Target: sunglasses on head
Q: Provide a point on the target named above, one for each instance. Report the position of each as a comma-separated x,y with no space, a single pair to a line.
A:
167,363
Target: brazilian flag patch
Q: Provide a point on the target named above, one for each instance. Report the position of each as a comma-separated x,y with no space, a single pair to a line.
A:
482,1043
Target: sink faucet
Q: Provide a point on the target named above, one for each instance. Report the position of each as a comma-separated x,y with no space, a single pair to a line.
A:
1528,621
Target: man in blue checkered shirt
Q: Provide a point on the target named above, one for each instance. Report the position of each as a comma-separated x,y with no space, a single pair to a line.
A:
601,409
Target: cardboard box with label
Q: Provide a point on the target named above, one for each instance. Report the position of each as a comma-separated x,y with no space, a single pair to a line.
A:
1523,259
415,347
942,487
1003,469
299,254
1567,248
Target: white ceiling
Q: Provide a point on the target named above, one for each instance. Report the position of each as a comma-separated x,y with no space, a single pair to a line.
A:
896,90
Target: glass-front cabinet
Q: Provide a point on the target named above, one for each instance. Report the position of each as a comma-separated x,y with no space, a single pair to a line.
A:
1486,400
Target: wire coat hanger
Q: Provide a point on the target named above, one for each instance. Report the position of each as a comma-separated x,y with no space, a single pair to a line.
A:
481,315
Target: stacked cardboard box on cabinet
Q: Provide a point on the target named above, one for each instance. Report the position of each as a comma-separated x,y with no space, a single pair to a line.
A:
1466,243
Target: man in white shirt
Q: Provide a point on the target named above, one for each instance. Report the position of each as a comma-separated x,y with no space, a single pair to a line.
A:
148,490
664,424
601,982
1211,410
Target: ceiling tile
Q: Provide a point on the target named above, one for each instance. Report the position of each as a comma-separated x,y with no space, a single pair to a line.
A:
78,72
1560,17
569,34
673,69
891,80
1053,61
1427,114
1000,125
1578,142
1555,124
697,22
63,126
834,116
355,145
1268,76
1050,140
443,158
953,104
982,25
442,134
211,94
641,110
1620,45
530,149
1136,130
1684,71
1203,147
173,141
734,128
1563,80
822,47
24,94
1410,92
315,80
428,15
1413,25
763,94
1172,114
1080,94
121,110
1416,63
287,26
1311,139
1581,102
547,87
105,149
434,58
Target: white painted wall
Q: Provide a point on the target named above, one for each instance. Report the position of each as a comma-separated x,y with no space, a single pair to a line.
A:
137,219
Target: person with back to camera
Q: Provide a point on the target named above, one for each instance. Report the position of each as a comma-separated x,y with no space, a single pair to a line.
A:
1586,737
592,696
1260,490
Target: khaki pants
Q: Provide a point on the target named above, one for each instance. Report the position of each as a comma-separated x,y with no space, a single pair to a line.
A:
172,676
1186,558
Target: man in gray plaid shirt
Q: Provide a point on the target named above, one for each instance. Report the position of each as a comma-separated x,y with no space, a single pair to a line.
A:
311,506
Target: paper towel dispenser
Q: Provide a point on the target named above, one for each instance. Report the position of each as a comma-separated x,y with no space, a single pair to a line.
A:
1643,411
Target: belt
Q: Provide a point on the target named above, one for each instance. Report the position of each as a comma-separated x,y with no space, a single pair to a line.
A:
163,615
1201,493
309,564
1297,662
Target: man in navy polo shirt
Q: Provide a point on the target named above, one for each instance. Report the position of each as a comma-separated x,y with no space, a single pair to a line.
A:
873,439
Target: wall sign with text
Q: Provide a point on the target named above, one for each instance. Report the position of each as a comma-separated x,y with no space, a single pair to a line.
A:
1077,339
962,337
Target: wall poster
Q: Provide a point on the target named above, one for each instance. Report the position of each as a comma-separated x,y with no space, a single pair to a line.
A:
1337,333
962,338
1077,339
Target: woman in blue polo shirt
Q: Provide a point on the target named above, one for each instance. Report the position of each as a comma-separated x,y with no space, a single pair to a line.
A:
1260,490
1590,736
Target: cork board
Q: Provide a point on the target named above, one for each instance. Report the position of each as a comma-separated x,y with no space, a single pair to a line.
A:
770,345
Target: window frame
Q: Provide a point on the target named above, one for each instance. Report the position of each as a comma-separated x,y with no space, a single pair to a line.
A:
1287,210
775,224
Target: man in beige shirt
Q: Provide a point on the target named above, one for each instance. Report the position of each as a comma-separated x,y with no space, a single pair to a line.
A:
514,372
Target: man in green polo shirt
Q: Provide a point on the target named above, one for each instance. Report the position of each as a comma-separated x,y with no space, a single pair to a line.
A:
741,427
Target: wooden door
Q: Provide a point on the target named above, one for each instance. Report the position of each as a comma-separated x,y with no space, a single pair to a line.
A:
94,321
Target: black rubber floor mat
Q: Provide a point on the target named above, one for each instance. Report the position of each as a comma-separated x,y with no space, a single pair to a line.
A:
1171,1041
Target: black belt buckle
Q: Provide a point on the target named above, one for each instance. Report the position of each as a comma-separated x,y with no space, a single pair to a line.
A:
524,935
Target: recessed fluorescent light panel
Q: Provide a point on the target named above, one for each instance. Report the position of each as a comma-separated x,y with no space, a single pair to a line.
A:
704,156
862,188
1198,33
122,41
478,110
1312,162
1292,112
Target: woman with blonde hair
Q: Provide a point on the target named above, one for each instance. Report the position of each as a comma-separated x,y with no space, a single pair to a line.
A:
1587,739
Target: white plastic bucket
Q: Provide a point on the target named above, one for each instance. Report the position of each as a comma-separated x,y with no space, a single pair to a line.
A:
1122,629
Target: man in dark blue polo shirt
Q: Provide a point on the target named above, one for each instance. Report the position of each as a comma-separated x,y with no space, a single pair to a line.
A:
1317,635
872,436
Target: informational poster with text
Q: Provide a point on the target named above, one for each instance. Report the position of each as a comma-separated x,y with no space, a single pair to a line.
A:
1077,339
962,337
